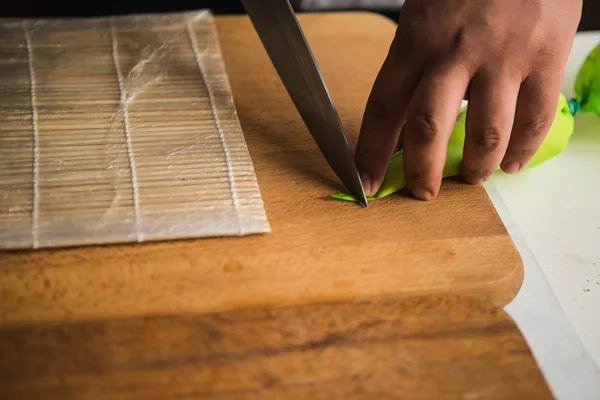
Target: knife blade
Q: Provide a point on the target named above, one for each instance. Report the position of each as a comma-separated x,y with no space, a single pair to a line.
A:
283,39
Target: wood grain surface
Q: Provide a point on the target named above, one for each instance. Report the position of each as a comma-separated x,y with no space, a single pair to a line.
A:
415,348
320,249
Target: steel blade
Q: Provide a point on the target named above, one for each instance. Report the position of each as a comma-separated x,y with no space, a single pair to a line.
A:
278,29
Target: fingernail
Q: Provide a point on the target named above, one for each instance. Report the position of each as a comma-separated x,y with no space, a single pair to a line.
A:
366,181
422,194
511,167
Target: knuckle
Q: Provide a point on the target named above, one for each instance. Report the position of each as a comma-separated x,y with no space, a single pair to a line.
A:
489,139
364,154
521,154
461,42
461,51
370,156
378,109
422,179
546,54
426,127
536,126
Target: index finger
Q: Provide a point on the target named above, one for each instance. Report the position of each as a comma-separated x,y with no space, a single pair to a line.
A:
384,115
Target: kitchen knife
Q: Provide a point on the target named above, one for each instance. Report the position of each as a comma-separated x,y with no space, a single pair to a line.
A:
277,27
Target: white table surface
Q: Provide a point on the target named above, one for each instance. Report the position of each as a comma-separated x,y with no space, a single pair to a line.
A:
553,214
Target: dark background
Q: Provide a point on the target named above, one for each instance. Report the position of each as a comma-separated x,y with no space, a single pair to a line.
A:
52,8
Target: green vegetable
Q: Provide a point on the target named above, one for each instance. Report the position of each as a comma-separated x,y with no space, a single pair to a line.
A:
587,90
587,84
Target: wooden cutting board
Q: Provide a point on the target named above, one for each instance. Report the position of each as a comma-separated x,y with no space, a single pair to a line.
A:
414,348
320,249
400,300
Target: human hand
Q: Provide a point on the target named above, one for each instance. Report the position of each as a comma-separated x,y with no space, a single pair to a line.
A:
506,56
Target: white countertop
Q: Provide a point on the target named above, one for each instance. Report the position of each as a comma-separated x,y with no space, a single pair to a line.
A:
553,214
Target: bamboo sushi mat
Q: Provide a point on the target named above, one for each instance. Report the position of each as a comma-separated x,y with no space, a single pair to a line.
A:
120,129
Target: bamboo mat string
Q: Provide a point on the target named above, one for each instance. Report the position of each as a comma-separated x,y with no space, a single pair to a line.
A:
36,152
211,99
124,102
